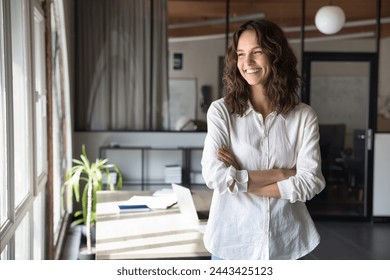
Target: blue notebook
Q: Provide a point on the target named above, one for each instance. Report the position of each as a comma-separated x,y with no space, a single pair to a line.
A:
133,208
147,203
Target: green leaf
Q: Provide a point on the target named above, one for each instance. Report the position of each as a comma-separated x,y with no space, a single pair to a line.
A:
86,162
84,201
101,163
77,222
120,179
79,162
78,213
93,217
84,170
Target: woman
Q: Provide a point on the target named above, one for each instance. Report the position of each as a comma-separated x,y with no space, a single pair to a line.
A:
261,154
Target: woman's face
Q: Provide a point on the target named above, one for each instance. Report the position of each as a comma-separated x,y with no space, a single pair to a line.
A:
252,63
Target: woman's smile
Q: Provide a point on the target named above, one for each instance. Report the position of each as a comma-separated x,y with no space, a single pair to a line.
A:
251,71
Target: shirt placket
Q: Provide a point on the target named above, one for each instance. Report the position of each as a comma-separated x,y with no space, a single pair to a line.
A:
265,165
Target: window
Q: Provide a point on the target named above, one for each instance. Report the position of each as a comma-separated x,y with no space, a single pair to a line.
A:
41,162
3,124
40,96
22,239
23,130
21,102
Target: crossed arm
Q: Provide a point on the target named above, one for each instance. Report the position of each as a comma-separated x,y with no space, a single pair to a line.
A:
261,182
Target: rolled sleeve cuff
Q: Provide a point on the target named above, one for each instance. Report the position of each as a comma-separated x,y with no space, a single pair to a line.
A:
285,189
239,178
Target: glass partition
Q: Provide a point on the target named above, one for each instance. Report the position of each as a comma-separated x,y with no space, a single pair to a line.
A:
197,39
341,103
341,91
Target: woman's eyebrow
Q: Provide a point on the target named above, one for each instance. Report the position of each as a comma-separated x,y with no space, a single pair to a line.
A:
257,47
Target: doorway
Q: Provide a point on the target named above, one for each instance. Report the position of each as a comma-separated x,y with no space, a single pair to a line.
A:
341,87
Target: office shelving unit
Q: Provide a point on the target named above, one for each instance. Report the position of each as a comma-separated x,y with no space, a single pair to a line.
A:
145,166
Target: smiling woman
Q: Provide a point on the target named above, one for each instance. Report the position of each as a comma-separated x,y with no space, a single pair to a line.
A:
261,154
261,57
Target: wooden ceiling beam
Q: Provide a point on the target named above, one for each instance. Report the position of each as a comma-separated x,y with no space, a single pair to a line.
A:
286,13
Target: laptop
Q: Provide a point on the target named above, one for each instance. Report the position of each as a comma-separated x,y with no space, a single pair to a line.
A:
187,207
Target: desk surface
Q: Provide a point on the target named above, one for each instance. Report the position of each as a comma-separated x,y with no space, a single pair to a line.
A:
157,234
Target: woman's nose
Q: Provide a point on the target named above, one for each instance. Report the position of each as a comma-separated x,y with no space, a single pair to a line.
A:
249,59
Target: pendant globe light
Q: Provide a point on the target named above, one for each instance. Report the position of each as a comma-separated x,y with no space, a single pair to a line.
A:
329,19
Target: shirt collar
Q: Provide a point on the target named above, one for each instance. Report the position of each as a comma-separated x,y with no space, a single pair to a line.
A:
250,108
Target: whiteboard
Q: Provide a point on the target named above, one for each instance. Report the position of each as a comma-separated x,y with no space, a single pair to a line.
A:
182,100
341,100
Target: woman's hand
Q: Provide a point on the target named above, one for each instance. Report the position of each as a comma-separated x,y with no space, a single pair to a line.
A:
288,173
227,157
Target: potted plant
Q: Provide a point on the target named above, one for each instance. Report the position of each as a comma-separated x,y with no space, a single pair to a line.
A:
91,175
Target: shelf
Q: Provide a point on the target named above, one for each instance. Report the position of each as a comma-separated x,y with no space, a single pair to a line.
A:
145,166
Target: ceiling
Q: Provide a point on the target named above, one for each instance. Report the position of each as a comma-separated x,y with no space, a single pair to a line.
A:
193,18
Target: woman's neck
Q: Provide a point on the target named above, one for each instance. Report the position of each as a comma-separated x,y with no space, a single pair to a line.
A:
260,101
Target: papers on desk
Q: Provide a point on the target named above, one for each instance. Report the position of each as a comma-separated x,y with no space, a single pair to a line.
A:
164,192
173,174
162,199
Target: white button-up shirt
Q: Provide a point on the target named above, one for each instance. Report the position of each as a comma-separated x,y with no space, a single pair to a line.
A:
246,226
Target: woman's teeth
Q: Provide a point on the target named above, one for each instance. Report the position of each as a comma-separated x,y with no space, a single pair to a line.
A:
251,71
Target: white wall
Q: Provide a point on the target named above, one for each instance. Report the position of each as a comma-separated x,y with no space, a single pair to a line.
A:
200,61
381,204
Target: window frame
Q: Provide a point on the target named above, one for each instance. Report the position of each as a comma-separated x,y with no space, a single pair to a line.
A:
40,97
33,204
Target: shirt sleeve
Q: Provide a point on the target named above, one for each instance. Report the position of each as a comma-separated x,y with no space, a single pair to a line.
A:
308,180
237,177
215,173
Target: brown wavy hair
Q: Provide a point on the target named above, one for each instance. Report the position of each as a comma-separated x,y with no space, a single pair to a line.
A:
284,81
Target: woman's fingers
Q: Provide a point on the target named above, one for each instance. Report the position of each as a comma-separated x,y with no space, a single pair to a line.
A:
224,156
227,157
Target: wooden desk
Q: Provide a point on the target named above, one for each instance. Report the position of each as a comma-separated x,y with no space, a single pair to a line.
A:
157,234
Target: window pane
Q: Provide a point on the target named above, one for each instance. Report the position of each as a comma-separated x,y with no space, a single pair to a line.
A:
40,91
20,100
3,164
4,254
3,150
40,134
39,227
22,239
